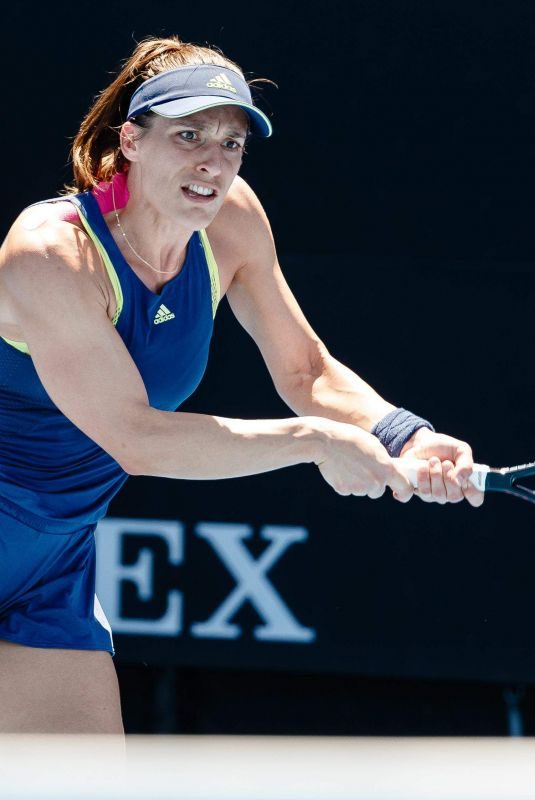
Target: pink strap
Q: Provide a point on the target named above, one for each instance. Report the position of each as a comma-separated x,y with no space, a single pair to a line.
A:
103,193
104,197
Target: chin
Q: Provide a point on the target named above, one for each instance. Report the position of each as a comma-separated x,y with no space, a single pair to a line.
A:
204,213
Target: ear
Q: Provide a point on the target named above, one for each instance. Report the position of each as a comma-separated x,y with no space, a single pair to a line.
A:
128,136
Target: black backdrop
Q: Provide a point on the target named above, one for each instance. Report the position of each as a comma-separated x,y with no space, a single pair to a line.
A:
398,183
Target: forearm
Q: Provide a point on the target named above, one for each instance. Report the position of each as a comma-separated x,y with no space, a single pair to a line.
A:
202,447
332,390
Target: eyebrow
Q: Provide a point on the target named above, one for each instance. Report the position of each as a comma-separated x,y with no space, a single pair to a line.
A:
198,126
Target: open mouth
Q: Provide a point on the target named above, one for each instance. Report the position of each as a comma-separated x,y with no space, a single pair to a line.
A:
200,193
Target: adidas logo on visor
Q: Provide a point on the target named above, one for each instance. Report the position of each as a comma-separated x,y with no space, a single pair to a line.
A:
221,82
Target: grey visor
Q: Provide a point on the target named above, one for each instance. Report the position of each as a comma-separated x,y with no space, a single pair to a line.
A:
185,90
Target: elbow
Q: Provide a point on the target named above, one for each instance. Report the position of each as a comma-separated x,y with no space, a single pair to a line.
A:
299,386
134,461
130,442
129,463
131,456
127,437
132,467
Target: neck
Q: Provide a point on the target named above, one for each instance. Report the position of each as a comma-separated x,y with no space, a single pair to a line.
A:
160,249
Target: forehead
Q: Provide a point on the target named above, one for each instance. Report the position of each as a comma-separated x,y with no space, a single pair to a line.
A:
228,117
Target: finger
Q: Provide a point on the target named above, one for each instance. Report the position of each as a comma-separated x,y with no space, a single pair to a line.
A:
438,489
376,491
474,496
423,478
357,490
464,463
454,492
401,486
404,499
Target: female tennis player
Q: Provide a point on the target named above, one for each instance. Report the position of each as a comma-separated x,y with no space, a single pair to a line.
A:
107,300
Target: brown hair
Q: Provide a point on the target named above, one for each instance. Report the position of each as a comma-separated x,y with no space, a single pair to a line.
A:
95,152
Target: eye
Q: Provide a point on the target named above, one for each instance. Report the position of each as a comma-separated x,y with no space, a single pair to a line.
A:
232,144
188,136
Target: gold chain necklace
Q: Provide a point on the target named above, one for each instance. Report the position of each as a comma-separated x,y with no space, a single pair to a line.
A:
125,237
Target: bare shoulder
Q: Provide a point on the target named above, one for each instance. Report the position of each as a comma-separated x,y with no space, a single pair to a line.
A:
40,240
44,255
241,229
241,203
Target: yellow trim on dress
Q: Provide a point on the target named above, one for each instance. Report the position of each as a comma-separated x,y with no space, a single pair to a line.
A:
22,346
212,269
110,269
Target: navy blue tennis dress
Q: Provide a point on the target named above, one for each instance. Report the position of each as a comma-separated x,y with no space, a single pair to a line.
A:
55,482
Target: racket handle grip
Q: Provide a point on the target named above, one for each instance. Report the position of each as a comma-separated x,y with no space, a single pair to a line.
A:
477,478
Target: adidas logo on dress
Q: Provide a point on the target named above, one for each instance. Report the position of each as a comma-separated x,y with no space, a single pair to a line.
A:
221,82
163,315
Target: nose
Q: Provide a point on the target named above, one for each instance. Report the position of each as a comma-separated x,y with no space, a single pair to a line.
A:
210,160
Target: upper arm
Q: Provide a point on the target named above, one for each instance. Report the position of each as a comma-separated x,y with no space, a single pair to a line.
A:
262,300
49,278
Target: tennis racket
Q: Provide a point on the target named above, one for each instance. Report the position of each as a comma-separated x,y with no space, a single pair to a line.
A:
487,479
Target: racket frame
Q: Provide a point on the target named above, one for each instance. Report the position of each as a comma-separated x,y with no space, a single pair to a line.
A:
507,479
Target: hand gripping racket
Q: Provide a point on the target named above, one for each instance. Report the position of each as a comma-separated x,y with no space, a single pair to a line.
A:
487,479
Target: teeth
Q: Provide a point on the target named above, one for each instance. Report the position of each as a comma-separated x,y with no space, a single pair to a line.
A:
200,189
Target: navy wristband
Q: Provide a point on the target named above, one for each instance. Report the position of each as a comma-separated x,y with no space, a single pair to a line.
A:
396,428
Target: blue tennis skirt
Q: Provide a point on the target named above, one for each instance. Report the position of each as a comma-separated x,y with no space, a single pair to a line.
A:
47,588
